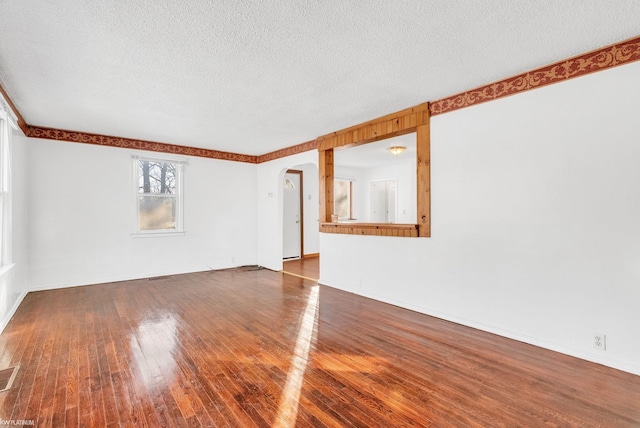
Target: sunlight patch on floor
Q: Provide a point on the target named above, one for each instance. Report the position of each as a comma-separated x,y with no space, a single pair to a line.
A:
288,409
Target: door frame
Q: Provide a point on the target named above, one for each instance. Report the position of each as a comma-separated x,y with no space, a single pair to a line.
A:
300,173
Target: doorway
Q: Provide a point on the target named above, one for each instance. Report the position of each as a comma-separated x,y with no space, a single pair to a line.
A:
293,223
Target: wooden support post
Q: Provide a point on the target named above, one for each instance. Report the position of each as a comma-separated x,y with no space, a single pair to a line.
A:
325,164
423,146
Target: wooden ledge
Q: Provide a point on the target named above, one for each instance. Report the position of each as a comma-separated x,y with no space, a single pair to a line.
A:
374,229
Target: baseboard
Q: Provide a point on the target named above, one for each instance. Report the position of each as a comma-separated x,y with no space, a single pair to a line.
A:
624,366
109,280
12,311
308,256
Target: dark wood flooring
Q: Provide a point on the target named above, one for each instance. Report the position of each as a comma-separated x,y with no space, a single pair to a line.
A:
262,348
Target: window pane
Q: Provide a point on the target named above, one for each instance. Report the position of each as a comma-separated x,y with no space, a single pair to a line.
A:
156,177
341,202
157,212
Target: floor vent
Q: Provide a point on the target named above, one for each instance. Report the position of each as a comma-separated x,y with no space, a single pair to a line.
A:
6,378
247,268
156,278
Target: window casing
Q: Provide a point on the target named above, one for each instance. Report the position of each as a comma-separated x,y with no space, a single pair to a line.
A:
8,123
4,166
158,190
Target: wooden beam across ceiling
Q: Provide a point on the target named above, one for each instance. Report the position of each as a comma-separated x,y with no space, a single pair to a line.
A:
392,125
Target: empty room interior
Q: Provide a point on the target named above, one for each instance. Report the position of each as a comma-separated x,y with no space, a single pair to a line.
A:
283,213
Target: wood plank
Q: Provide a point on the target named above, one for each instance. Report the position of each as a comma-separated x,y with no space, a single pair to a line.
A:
325,167
402,122
375,229
423,148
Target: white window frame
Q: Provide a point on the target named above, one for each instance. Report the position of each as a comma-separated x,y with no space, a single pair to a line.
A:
4,226
8,122
180,164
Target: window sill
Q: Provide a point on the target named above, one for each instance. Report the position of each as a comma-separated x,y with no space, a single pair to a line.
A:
372,229
159,234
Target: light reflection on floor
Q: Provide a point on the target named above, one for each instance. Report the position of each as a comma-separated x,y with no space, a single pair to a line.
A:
290,399
157,342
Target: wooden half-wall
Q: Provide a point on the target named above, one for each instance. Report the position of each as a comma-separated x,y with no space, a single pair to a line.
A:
414,119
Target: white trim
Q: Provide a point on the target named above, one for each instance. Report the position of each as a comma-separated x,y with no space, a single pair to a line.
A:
160,157
5,194
158,233
626,366
7,113
12,311
119,278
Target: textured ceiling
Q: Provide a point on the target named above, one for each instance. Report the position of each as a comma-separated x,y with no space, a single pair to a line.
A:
255,76
375,155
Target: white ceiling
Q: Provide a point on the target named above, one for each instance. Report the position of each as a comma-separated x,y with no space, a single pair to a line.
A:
375,155
255,76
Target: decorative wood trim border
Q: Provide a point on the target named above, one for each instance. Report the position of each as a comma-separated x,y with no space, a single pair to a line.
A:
597,60
601,59
21,122
372,229
288,151
127,143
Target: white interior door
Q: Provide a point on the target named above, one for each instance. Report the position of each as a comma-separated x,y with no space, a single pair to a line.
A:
392,200
383,197
378,212
291,227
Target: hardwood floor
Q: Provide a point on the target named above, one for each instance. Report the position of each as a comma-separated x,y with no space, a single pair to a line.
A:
307,268
262,348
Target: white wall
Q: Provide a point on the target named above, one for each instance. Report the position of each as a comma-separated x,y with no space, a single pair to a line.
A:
535,222
81,217
14,279
404,173
310,206
270,202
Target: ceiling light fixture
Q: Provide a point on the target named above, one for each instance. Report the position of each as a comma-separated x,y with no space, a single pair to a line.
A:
396,150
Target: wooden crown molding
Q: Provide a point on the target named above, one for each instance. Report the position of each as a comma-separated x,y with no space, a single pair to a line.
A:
127,143
591,62
601,59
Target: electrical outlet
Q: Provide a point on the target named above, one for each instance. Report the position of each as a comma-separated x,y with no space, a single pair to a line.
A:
600,341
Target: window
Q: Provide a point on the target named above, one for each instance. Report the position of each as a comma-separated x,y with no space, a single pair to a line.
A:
158,190
4,181
343,196
8,123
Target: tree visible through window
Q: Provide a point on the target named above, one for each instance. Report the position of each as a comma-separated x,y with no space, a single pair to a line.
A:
158,195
